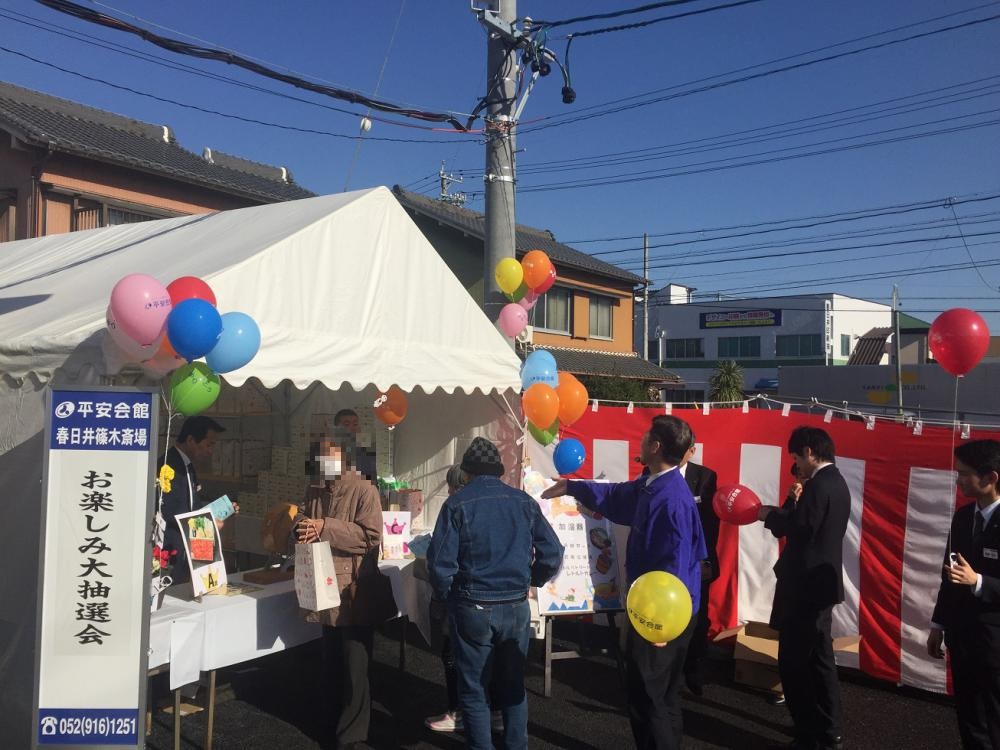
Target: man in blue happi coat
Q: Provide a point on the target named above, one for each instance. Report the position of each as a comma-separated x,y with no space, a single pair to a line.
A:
665,534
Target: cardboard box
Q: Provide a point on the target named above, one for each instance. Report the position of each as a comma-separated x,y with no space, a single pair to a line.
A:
756,654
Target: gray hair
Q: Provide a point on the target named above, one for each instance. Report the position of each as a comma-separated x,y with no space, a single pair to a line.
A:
456,478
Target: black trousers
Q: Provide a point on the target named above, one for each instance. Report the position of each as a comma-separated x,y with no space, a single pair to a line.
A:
694,662
809,675
347,652
975,672
653,682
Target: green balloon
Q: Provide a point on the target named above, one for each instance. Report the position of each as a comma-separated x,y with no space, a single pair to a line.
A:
546,436
518,293
193,388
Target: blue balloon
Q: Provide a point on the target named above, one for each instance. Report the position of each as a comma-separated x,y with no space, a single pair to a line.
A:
539,367
237,345
569,456
193,327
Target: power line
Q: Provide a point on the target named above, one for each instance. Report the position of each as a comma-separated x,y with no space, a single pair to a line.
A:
558,120
635,265
749,161
63,31
778,130
652,21
206,110
958,225
612,14
207,53
814,220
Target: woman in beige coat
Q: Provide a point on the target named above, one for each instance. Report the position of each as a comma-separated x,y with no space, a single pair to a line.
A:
344,509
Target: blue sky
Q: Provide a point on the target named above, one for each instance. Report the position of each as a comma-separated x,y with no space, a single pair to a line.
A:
946,81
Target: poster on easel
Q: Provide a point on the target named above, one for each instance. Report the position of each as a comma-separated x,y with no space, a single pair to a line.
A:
204,550
590,577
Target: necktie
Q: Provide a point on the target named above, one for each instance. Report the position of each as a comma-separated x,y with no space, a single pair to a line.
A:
193,484
977,533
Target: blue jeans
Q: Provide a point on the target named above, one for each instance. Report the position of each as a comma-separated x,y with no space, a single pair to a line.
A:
490,641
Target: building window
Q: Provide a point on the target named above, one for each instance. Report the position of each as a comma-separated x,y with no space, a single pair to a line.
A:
845,345
804,345
739,347
552,312
118,216
601,312
685,349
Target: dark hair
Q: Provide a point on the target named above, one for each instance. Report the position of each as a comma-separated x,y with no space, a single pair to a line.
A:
982,456
674,436
813,438
198,428
343,413
794,470
339,438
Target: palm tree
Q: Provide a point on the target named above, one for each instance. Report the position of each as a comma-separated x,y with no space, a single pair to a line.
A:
726,383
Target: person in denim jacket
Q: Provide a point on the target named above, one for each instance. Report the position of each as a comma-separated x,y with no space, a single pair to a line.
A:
490,544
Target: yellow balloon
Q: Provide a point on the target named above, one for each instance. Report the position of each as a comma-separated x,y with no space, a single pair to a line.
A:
659,606
509,275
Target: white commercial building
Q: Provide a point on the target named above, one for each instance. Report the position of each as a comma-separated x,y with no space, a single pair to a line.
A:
761,334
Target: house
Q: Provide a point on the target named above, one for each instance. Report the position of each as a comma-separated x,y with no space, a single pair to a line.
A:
762,334
66,166
585,319
875,347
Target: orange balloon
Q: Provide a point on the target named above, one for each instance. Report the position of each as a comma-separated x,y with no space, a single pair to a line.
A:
390,406
572,398
541,405
537,268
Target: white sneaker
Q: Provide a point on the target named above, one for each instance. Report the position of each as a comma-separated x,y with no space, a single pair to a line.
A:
496,721
449,721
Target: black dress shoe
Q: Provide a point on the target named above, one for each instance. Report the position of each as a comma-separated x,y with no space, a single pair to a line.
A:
776,699
837,743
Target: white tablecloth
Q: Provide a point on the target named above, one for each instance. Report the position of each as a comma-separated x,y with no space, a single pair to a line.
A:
412,595
220,630
175,637
246,626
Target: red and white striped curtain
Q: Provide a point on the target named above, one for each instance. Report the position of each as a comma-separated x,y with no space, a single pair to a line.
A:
903,496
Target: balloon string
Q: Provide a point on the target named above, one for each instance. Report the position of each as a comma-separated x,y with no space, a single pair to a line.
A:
954,428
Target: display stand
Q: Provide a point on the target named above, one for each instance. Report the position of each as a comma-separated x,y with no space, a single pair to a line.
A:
551,656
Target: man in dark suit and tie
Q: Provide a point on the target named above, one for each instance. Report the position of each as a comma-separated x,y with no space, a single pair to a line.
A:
967,614
703,482
194,445
809,583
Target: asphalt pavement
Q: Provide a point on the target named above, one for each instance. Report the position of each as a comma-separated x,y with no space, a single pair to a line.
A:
275,703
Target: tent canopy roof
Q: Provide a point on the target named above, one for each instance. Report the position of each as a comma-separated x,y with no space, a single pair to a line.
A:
345,289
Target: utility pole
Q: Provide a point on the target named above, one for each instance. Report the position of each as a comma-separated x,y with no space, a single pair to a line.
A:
645,296
501,66
896,347
456,199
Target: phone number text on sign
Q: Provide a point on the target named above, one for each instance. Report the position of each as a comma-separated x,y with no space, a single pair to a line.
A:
87,726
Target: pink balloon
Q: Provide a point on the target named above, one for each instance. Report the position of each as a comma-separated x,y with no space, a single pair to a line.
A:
528,300
958,339
513,319
140,305
131,350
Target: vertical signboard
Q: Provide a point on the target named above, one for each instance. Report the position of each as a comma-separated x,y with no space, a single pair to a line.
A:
97,497
827,330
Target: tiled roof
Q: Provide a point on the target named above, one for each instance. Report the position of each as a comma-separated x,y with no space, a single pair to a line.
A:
68,127
870,347
526,238
909,324
622,365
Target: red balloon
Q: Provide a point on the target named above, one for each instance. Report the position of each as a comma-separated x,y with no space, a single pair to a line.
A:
736,504
958,339
547,284
190,287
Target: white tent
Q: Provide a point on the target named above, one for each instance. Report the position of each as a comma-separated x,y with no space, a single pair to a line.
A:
346,291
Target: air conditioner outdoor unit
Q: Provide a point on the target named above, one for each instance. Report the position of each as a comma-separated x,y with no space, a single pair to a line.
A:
527,335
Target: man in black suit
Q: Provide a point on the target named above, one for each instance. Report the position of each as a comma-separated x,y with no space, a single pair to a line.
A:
967,614
703,482
810,582
366,462
194,445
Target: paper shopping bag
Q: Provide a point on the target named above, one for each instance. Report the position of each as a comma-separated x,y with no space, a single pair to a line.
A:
316,584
